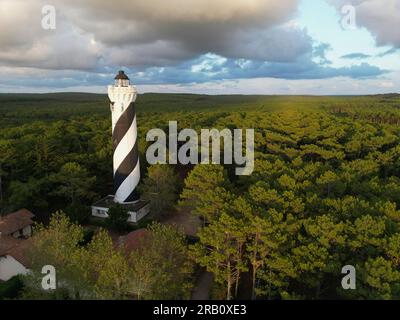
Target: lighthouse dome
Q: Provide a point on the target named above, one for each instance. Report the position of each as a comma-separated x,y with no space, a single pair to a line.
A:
121,79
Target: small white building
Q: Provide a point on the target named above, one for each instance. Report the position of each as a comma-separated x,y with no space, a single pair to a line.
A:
12,257
136,210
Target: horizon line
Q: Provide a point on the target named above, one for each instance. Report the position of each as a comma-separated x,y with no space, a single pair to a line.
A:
208,94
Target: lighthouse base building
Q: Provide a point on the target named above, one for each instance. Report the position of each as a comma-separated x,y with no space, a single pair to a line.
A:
126,165
136,210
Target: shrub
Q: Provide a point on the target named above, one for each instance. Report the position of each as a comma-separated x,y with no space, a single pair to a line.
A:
11,288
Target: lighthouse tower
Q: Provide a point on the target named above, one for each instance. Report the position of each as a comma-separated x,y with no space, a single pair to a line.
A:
126,166
124,138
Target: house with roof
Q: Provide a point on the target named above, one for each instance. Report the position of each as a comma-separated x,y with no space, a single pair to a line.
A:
15,232
13,260
17,224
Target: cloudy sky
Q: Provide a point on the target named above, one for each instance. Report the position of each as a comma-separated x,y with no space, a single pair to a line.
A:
202,46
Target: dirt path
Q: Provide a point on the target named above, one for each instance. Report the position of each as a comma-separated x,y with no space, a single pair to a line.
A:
203,287
185,220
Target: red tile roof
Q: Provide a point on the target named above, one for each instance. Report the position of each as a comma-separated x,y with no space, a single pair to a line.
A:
133,240
15,221
7,243
17,248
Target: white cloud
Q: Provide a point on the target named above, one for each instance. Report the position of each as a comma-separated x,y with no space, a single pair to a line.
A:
25,43
271,86
380,17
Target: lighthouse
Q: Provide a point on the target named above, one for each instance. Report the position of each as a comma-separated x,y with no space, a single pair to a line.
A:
126,167
122,97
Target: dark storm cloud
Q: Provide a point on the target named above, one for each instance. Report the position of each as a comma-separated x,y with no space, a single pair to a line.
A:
146,33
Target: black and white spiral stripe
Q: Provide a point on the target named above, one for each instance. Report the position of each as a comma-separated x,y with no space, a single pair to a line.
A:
126,156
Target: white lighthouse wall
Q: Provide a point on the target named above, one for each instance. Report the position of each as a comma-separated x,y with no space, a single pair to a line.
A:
129,184
121,98
126,144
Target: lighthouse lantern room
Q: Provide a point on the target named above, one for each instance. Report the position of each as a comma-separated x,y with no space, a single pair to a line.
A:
121,79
